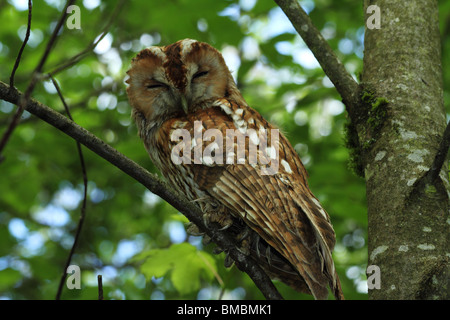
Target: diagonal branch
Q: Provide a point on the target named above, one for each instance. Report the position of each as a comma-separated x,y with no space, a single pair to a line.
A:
147,179
347,87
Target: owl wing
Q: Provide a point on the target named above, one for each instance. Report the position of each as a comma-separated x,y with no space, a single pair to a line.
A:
270,194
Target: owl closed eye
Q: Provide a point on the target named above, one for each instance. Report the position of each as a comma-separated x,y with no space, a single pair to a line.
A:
188,108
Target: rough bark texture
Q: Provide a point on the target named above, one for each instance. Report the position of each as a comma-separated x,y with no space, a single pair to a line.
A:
408,214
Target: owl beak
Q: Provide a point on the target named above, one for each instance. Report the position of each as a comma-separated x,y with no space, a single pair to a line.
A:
184,104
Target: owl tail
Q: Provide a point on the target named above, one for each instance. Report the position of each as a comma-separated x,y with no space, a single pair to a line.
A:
321,272
337,290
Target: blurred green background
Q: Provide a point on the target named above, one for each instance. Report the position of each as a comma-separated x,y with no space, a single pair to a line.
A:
135,240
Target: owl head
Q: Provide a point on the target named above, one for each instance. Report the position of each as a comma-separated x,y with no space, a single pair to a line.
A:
165,82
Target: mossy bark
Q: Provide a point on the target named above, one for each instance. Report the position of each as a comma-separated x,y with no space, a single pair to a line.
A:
409,224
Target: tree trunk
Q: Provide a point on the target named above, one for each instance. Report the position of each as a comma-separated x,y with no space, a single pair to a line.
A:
399,133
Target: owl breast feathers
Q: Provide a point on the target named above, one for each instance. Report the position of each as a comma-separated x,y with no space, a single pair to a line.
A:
237,167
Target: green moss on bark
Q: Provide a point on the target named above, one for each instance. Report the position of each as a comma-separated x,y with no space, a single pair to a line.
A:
360,138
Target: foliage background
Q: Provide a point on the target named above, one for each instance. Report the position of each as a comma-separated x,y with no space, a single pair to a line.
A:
132,238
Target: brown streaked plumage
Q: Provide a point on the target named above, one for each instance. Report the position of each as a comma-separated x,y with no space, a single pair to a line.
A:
186,90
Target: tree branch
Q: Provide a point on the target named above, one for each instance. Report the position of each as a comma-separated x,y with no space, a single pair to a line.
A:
347,87
147,179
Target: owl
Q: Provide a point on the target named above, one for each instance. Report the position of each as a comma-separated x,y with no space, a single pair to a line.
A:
238,168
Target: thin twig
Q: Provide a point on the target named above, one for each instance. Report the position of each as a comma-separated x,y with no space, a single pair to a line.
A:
100,287
83,206
151,182
344,83
24,43
79,56
47,51
12,124
34,78
16,117
221,293
76,58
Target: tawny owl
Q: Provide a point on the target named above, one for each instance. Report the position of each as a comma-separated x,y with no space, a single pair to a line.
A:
237,167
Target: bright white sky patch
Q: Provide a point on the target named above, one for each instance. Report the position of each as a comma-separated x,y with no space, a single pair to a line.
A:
106,101
68,198
125,250
306,59
52,215
231,56
20,5
150,198
247,5
177,232
104,45
334,107
36,36
91,4
346,46
17,228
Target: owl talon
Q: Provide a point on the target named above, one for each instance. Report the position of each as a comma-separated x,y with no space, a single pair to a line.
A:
244,248
256,243
243,241
193,230
225,227
217,250
206,220
228,263
221,218
243,235
268,253
206,240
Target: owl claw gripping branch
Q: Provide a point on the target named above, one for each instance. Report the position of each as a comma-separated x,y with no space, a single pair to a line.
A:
185,90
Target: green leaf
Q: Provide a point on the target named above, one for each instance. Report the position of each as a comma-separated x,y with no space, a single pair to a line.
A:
187,266
8,277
